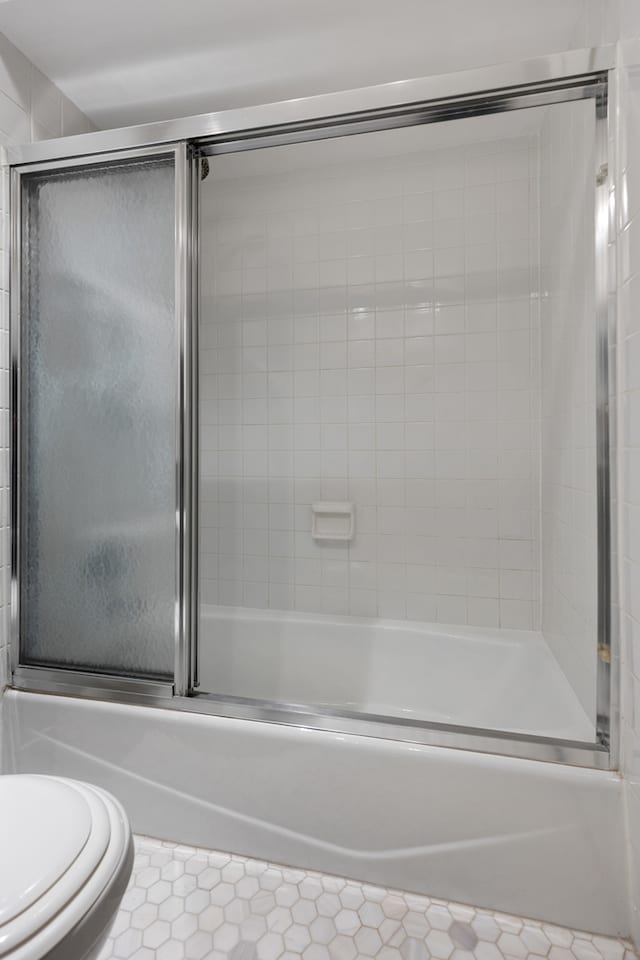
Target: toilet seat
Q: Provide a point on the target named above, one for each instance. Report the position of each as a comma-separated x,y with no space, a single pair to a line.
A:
63,846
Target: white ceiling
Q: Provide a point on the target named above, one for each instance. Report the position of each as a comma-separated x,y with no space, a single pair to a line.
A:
131,61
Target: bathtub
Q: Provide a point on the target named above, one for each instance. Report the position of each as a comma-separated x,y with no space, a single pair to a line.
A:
472,676
532,838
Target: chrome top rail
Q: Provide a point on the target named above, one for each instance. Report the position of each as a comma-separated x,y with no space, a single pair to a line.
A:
554,67
411,114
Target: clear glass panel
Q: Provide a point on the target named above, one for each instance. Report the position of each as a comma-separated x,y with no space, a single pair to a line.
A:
99,418
397,423
568,465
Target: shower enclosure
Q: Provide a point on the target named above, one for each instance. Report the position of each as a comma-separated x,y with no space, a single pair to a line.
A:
310,411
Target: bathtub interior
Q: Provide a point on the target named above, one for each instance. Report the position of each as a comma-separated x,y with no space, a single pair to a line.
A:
394,326
393,669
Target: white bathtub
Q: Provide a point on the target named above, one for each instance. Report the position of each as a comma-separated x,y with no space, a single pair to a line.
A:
532,838
472,676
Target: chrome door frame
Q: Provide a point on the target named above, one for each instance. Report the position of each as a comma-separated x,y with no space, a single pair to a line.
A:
34,677
553,79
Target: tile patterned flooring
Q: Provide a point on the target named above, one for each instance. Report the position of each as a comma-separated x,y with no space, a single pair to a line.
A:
195,904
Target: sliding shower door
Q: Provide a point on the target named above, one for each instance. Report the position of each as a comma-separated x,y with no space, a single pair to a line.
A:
399,423
333,396
96,342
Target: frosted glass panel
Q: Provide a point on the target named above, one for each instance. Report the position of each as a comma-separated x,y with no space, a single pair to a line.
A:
98,420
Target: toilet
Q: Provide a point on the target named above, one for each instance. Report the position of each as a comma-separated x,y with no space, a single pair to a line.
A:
66,855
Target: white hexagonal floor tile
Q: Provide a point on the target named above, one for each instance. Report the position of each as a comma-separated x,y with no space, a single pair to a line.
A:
188,904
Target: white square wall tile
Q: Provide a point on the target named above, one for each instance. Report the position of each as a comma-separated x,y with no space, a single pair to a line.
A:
382,381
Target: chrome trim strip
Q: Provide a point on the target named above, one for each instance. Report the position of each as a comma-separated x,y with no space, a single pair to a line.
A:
91,685
515,746
609,503
439,111
477,739
182,413
92,160
553,67
603,503
194,360
15,410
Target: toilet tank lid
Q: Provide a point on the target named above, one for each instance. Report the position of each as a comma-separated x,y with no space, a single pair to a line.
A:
49,838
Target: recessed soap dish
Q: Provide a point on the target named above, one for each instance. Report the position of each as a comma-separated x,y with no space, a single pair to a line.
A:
332,520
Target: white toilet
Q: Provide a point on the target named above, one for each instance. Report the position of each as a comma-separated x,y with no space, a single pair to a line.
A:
66,856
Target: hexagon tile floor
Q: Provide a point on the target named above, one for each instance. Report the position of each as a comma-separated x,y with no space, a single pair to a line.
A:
196,904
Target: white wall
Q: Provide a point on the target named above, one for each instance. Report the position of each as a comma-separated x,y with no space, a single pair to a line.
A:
181,59
568,387
31,108
368,334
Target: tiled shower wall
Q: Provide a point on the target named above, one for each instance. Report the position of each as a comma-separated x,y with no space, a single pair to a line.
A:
31,108
568,404
369,333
